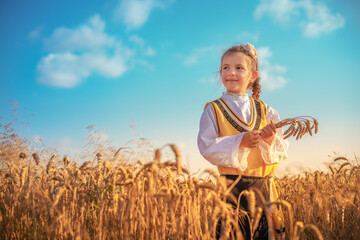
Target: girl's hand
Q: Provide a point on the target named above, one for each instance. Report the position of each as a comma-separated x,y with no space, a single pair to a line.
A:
250,139
268,132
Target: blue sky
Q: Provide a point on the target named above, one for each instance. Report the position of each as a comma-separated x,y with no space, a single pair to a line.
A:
145,69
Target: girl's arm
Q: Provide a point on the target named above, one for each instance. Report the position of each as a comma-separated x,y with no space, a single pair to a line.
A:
275,150
221,151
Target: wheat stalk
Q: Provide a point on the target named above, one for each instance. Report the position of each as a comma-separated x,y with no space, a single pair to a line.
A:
299,126
106,199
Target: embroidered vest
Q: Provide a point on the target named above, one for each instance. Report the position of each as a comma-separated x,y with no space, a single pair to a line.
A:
229,124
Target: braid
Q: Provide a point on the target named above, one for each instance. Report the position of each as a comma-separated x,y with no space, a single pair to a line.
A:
256,88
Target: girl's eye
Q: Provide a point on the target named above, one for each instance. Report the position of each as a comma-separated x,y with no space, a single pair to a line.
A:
239,67
224,68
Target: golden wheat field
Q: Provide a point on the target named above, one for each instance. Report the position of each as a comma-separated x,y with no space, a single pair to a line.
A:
45,196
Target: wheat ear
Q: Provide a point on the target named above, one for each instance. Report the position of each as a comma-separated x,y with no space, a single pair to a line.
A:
299,126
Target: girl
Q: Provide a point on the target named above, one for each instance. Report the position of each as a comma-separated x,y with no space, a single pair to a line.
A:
238,134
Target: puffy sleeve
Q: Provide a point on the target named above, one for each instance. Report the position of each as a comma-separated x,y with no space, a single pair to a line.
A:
277,151
220,151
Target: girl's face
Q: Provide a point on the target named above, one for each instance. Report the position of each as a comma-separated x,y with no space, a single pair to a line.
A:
236,73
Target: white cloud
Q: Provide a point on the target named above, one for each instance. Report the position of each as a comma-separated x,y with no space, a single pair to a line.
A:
69,70
248,37
140,43
85,37
150,51
134,13
144,63
271,75
78,53
137,40
34,34
37,139
319,19
65,146
61,70
113,66
280,10
193,58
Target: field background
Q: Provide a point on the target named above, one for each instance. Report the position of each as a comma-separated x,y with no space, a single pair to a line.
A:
43,195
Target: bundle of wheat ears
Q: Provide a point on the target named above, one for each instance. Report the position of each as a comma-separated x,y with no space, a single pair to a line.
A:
299,126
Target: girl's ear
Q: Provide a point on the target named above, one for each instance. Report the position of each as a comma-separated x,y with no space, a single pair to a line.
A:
254,75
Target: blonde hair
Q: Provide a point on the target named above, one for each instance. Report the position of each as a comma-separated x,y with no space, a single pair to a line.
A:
250,51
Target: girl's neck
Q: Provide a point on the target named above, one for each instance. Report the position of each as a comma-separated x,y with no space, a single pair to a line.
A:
236,94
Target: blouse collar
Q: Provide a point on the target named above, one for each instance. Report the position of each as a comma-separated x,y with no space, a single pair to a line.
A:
242,97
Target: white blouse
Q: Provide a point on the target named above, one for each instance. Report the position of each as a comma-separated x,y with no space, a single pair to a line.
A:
225,151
